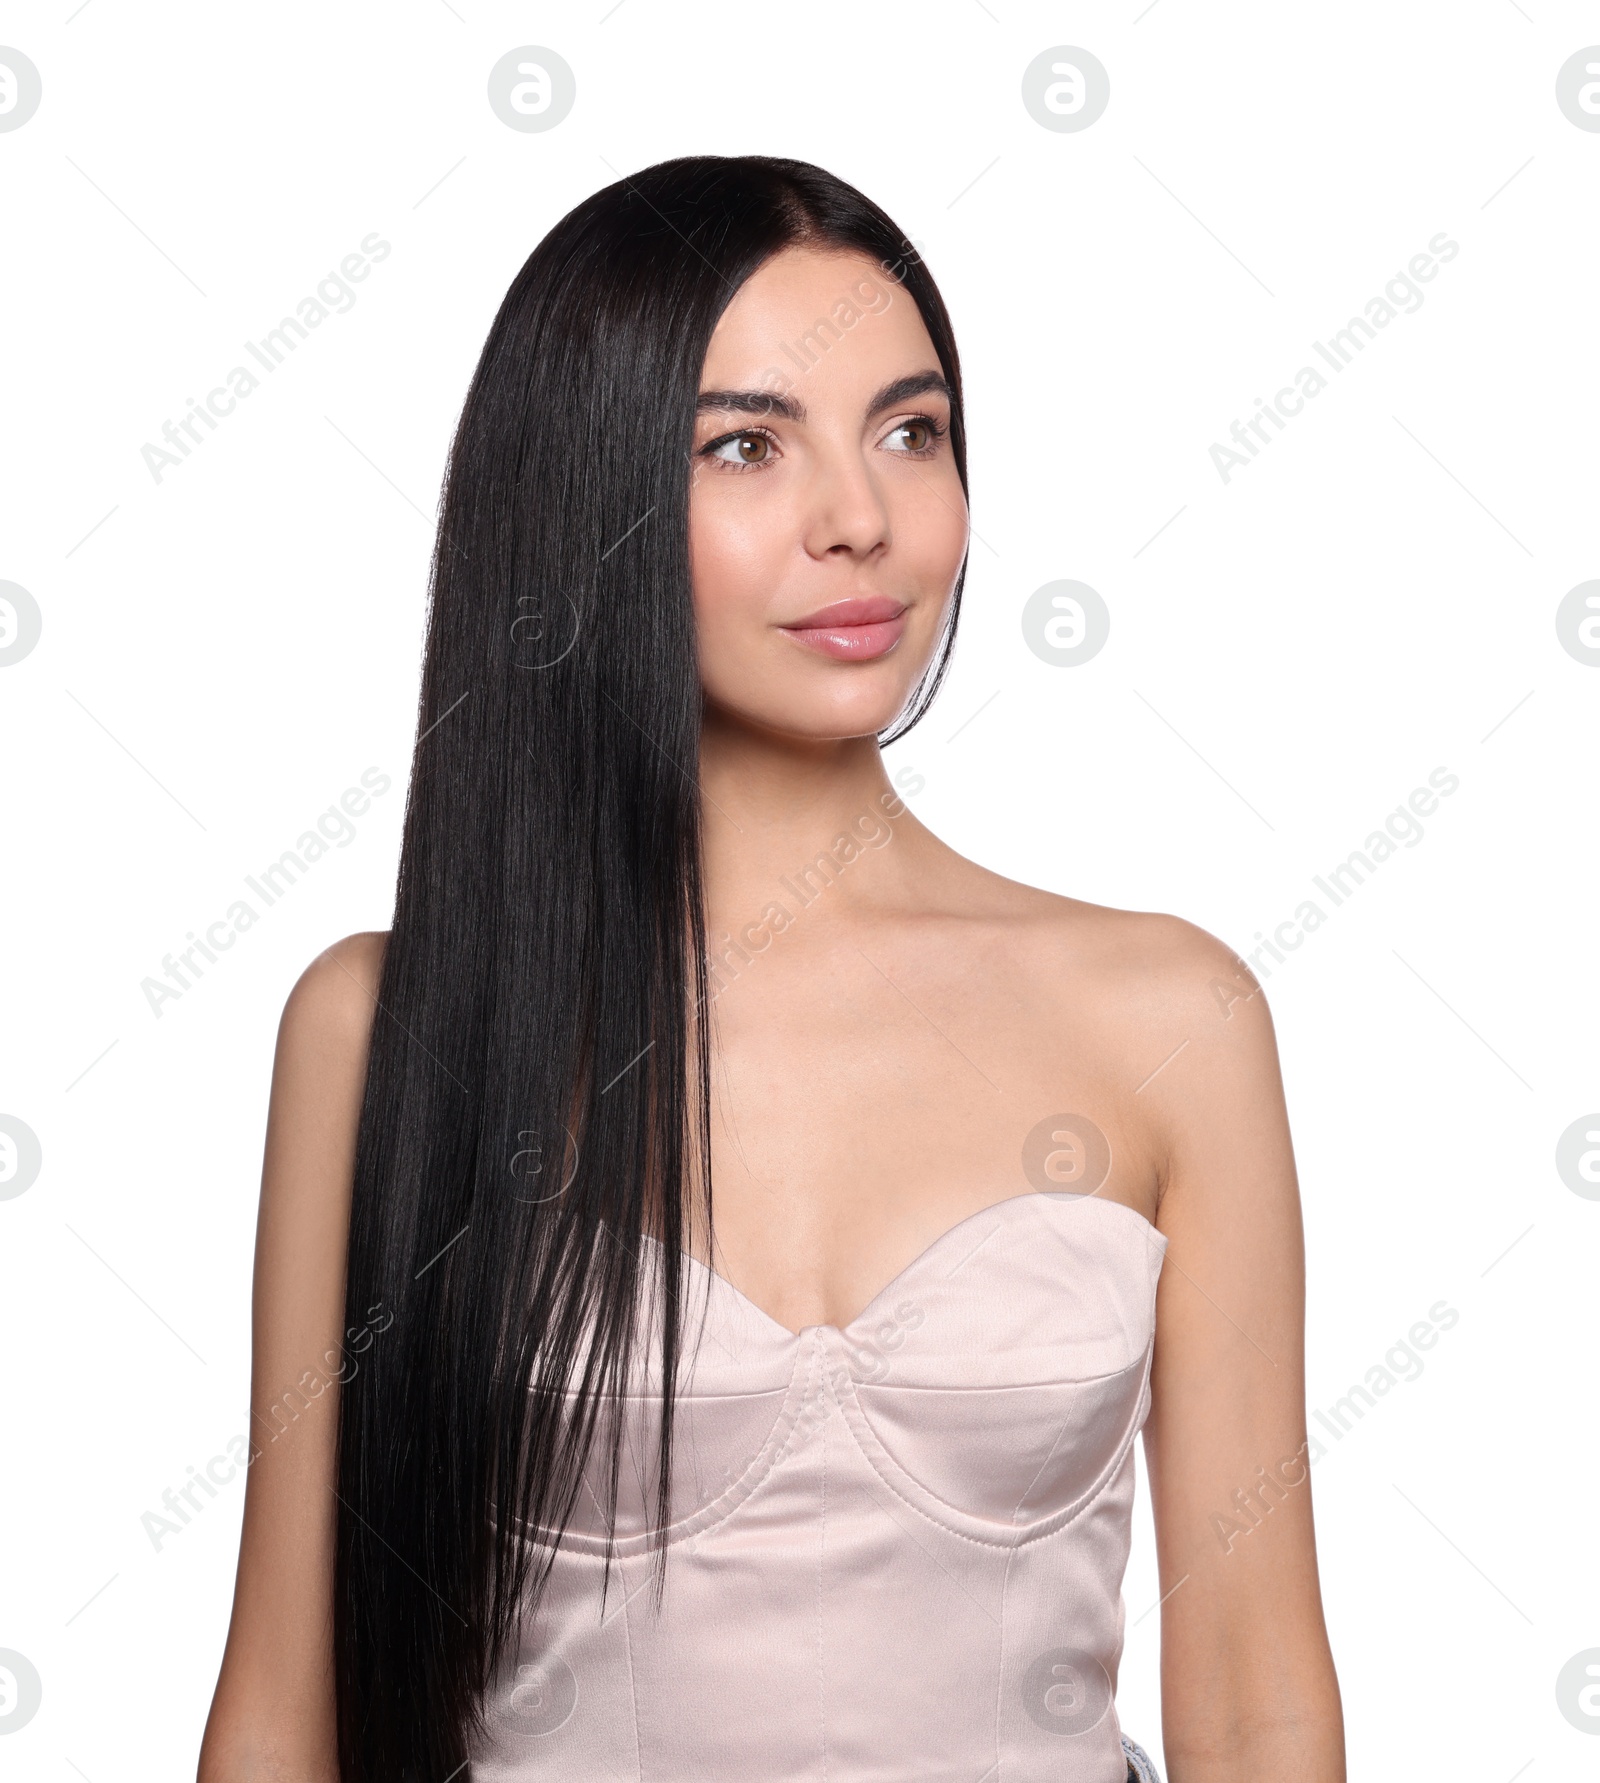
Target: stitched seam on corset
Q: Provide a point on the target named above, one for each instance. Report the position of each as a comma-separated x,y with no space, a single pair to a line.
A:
822,1553
774,1450
806,1423
1000,1668
998,1770
1078,1380
633,1688
1053,1527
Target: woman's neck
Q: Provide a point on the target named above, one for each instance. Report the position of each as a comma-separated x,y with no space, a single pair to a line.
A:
773,804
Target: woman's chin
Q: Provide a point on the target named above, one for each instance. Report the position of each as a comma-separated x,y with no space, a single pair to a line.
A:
813,717
831,700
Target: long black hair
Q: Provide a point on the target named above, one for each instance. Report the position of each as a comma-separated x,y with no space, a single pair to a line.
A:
537,1093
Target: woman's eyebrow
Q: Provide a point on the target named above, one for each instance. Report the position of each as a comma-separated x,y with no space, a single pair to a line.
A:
918,383
773,402
749,402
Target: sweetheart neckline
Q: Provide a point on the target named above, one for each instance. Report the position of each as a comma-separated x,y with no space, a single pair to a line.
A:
1152,1233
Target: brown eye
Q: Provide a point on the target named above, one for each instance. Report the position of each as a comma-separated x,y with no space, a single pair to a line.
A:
920,436
742,448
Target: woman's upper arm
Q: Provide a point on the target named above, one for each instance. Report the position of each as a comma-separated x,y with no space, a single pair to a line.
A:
272,1713
1245,1656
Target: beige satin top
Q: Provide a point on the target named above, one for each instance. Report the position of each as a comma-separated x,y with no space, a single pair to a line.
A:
897,1548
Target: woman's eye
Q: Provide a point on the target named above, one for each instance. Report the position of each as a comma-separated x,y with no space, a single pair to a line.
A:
742,448
919,435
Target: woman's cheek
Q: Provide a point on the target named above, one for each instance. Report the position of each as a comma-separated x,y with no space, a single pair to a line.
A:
730,561
936,528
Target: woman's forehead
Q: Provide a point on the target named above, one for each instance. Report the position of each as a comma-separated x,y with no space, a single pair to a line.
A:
808,309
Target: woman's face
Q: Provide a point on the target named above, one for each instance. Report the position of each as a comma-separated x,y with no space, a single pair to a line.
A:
827,523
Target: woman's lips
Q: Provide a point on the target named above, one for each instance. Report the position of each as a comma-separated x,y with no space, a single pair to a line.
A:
852,630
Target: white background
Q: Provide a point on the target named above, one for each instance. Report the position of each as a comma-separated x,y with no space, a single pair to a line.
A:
225,651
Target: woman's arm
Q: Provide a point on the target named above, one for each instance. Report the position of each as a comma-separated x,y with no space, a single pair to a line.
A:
1247,1678
272,1715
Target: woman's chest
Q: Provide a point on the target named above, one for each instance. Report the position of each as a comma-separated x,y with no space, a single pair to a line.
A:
862,1104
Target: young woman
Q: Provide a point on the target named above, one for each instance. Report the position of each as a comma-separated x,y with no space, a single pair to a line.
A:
718,1248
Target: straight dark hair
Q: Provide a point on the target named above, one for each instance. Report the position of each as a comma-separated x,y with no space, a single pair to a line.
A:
537,1093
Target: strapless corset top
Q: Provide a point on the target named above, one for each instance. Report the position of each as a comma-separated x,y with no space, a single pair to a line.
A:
896,1548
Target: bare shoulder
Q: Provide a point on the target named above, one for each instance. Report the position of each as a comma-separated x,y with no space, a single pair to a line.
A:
1154,977
1186,1024
334,998
1175,1022
318,1081
1154,966
1147,966
319,1074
